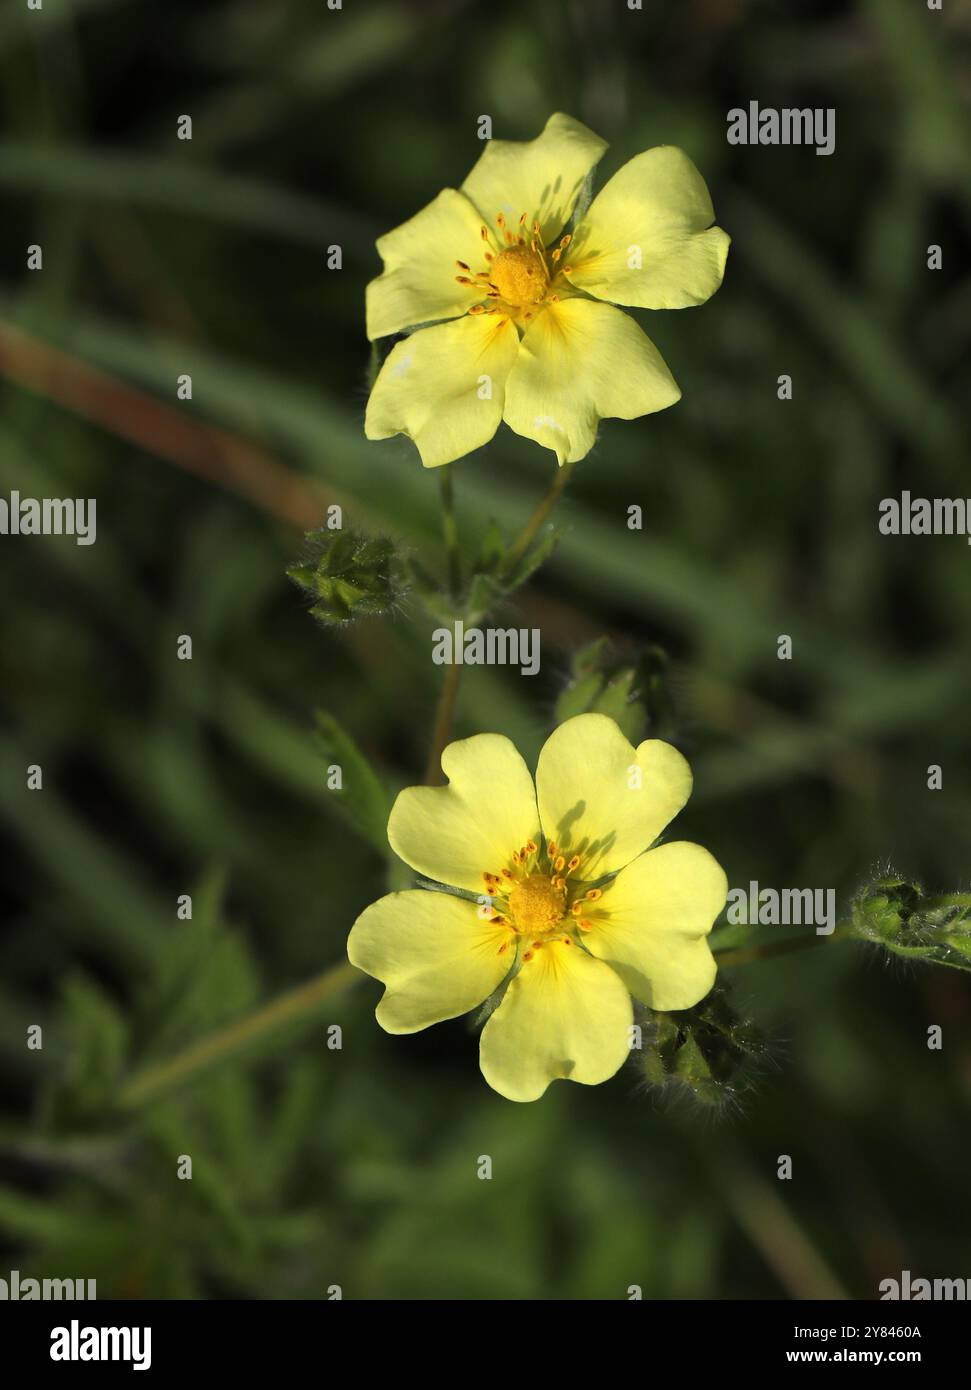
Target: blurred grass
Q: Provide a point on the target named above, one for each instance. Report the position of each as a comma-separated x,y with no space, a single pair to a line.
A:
357,1167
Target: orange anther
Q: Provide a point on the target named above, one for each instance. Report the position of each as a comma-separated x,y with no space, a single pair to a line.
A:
594,893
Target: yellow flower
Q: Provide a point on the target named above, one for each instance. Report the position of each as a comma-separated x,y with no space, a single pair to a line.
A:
574,907
521,330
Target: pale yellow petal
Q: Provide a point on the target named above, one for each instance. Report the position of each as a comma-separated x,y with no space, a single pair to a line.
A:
418,284
436,955
647,239
652,923
601,798
455,834
564,1015
444,387
581,362
540,177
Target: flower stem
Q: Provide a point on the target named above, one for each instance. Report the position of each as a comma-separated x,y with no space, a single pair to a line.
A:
450,530
159,1078
443,724
746,954
528,534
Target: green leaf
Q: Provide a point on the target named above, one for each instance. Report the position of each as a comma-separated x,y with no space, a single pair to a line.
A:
362,797
633,692
98,1043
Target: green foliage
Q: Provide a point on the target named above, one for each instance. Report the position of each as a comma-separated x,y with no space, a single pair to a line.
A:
362,797
495,576
634,693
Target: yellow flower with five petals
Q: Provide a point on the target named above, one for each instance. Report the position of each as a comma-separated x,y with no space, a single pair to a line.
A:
522,323
571,911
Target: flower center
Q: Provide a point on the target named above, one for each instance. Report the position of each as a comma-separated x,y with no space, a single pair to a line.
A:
540,905
519,274
520,279
537,904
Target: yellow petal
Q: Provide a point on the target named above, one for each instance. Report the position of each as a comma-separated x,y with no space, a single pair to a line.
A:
564,1015
601,798
434,953
444,387
652,921
457,833
578,363
656,210
419,284
540,177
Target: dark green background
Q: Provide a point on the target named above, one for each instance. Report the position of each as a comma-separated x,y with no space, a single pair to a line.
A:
358,1168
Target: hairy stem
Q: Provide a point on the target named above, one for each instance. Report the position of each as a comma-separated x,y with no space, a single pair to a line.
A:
443,723
746,954
450,530
546,504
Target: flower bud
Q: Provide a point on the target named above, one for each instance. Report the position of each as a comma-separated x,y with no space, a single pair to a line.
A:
901,916
348,575
704,1052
